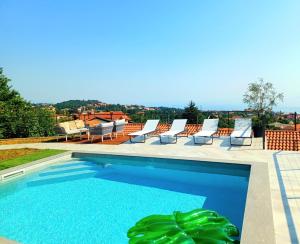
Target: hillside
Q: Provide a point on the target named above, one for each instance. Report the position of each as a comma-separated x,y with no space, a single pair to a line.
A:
75,104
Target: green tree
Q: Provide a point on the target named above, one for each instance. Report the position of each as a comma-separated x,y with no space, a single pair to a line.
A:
191,113
18,118
9,98
262,97
10,104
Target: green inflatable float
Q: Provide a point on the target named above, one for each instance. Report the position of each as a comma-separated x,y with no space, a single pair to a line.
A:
197,226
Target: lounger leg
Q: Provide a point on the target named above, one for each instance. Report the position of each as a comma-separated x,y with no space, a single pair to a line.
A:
143,141
212,140
250,142
211,137
161,142
242,144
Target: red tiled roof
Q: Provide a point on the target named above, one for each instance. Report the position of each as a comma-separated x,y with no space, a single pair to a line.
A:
283,140
108,116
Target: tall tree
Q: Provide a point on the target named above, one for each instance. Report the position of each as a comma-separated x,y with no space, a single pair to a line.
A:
191,113
8,96
262,97
18,118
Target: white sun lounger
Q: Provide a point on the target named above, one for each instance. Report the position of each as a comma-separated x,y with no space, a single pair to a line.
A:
178,126
242,130
209,128
149,128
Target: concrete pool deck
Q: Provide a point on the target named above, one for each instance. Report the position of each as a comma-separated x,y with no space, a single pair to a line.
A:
283,168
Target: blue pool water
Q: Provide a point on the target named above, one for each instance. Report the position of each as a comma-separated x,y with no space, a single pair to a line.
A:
97,199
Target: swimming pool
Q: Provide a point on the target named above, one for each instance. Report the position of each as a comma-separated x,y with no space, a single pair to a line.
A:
96,199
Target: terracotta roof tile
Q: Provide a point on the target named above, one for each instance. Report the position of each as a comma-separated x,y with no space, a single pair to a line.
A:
109,116
283,140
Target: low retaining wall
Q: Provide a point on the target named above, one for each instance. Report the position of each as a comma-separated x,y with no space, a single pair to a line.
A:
192,128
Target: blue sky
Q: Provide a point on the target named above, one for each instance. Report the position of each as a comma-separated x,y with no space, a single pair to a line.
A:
151,52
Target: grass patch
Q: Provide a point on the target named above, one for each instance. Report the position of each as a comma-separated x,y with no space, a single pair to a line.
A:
14,153
15,157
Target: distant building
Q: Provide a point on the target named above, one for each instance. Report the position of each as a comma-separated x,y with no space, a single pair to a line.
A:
292,116
52,108
150,109
95,118
62,117
281,126
101,104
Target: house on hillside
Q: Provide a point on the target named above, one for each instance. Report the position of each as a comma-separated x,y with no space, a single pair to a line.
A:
290,126
95,118
292,116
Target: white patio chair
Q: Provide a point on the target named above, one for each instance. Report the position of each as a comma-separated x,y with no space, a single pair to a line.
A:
208,130
102,130
242,130
149,128
178,126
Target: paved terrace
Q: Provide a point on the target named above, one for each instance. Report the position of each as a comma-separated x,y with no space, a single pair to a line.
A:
284,170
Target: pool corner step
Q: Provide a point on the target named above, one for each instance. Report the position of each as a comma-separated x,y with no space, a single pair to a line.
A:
12,174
